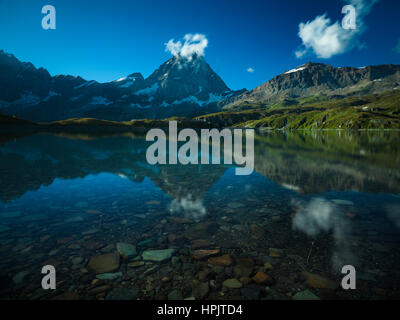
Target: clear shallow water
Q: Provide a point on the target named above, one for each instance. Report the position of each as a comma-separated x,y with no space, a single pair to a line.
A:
315,202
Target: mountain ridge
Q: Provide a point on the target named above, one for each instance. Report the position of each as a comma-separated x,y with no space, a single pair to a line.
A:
178,87
312,79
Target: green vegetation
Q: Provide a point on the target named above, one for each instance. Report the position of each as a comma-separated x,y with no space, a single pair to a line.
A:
376,111
140,123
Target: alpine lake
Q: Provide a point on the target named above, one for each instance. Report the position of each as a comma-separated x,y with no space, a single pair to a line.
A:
115,227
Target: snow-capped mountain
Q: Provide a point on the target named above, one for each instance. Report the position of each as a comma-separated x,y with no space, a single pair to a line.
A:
179,87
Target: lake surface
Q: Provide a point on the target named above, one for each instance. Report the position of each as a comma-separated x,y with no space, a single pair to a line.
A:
315,202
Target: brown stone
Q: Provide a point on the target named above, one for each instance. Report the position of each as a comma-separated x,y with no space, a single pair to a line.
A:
171,238
262,278
201,254
245,280
275,253
165,279
203,275
223,261
318,282
201,243
202,230
232,284
178,220
268,266
136,264
244,267
98,290
104,263
64,240
92,245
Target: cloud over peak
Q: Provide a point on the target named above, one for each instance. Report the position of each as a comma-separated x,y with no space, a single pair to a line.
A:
193,44
326,39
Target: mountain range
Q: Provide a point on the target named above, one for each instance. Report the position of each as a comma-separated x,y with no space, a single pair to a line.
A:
179,87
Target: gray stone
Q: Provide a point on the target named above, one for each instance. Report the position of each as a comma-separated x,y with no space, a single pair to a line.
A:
305,295
123,294
77,260
109,276
232,284
175,295
201,290
20,276
126,250
157,255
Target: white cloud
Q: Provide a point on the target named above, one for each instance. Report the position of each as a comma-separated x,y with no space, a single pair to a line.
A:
320,215
326,39
250,70
191,208
193,44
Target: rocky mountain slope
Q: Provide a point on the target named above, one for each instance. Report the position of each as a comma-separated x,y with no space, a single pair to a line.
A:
321,82
179,87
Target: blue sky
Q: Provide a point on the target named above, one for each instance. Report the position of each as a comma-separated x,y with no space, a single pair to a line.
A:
106,40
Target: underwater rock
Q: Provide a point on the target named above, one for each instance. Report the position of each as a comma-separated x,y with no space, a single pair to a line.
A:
262,278
157,255
244,267
318,282
136,264
251,292
201,254
109,276
305,295
104,263
20,276
126,250
123,294
175,295
223,261
76,260
232,284
201,291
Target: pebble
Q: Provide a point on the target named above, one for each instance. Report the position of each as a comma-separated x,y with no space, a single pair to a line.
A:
136,264
109,276
126,250
262,278
20,276
201,291
157,255
318,282
175,295
223,261
104,263
305,295
123,294
232,284
201,254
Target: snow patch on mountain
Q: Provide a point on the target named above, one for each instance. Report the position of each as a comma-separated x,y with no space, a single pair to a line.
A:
86,84
51,94
100,100
149,90
295,70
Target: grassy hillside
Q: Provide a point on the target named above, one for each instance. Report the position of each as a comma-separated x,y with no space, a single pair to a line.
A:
377,111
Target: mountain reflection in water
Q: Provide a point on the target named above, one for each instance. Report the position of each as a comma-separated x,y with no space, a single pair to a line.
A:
322,199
